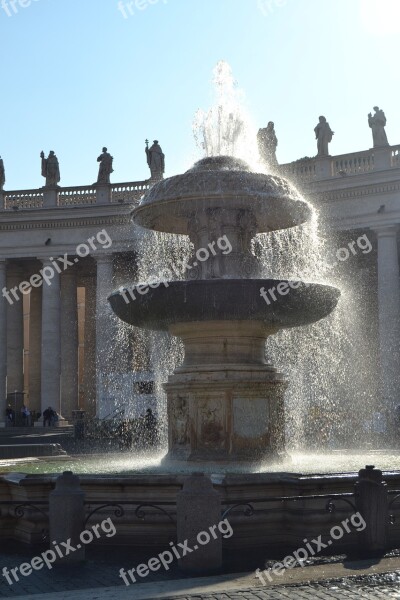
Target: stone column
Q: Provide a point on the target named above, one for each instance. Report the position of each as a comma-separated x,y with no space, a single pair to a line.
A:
103,194
3,343
89,380
51,342
69,343
389,315
35,344
15,334
105,339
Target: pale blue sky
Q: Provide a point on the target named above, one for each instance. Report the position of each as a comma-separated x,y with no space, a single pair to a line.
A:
77,75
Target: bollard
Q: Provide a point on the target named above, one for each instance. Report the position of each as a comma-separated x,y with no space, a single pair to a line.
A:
67,518
199,509
372,502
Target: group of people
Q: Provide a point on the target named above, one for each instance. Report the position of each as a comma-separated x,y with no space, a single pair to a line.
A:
26,417
50,417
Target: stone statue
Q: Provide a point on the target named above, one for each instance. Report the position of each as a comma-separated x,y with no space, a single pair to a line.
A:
50,169
267,143
106,167
2,174
324,134
155,160
377,124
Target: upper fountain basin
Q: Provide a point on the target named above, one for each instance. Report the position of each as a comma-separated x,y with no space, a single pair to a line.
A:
221,182
224,299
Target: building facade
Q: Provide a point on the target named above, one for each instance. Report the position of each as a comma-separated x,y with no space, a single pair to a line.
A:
57,337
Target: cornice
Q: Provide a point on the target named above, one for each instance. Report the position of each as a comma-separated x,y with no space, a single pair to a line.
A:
353,193
26,221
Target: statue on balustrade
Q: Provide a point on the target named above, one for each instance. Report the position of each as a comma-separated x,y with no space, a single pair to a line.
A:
267,143
50,169
106,167
2,174
323,135
377,123
155,160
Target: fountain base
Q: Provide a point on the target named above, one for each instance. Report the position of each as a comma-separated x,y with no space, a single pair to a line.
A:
225,403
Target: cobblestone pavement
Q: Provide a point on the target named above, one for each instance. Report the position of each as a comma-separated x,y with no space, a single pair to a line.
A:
333,591
100,570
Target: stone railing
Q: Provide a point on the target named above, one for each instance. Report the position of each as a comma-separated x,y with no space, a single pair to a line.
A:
74,196
356,163
21,199
129,192
395,156
352,164
300,169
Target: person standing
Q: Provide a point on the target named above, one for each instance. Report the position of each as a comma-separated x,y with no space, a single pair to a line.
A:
323,135
106,167
377,123
2,174
155,160
50,169
267,144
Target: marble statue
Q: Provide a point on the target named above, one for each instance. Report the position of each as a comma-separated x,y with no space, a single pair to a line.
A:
2,174
267,143
106,166
155,160
50,169
377,123
323,134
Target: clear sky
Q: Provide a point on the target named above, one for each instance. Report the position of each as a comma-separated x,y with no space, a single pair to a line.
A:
80,74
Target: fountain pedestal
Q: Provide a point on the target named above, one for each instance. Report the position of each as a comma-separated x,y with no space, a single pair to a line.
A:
225,402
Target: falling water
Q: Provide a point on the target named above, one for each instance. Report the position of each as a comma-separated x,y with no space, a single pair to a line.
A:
226,128
330,373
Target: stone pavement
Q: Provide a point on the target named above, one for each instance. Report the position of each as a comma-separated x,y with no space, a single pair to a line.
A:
367,580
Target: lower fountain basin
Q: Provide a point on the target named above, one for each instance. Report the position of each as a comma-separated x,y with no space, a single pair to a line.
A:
287,303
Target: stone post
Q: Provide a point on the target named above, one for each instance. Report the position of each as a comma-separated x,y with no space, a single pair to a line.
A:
50,197
382,158
103,194
372,502
323,167
198,508
3,343
69,343
67,516
389,316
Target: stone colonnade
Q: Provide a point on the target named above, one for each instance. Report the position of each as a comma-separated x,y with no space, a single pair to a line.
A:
53,335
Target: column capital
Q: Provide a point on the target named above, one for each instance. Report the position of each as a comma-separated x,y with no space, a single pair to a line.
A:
386,230
103,258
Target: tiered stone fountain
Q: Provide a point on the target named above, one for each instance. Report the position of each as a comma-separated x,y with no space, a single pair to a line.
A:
225,402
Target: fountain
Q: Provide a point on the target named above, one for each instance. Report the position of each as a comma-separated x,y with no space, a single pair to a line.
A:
225,402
